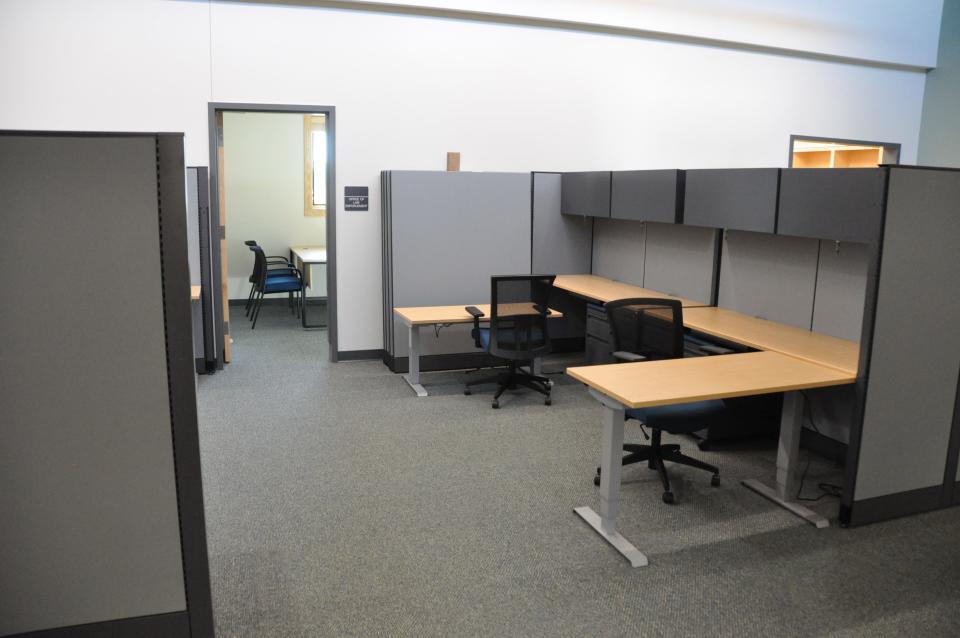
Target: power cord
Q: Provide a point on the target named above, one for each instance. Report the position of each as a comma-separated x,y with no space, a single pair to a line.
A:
826,489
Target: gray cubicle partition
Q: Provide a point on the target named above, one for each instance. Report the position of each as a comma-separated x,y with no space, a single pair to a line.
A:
445,233
618,249
202,233
903,451
101,511
680,260
561,243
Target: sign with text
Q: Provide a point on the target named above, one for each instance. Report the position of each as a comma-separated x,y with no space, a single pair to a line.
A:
356,198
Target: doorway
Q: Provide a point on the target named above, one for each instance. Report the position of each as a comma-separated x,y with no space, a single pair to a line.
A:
318,197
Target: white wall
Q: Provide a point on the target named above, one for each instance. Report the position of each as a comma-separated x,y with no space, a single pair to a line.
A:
263,179
409,88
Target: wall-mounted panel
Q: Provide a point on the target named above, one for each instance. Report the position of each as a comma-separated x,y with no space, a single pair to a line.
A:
585,193
912,384
841,288
733,198
842,204
561,243
450,232
89,506
680,260
618,247
769,276
651,196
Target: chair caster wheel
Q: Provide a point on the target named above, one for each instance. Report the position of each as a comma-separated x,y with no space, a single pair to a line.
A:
467,391
704,445
596,480
547,401
668,498
496,404
715,481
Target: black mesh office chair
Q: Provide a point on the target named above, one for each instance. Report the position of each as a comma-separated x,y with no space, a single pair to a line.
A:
285,280
517,332
648,330
273,263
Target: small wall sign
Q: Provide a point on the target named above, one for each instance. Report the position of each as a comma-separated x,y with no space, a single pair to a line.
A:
356,198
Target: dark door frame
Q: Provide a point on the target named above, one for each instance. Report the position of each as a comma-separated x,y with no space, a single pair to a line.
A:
222,107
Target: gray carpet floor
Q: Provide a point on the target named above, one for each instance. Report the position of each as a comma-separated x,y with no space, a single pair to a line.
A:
339,504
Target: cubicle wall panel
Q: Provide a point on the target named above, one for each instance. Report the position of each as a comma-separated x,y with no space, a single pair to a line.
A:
193,257
841,289
734,198
618,247
769,276
680,260
450,232
843,204
646,195
911,392
88,507
561,243
585,193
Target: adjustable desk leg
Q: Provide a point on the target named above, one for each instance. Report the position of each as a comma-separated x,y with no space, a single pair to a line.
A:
611,464
788,463
413,355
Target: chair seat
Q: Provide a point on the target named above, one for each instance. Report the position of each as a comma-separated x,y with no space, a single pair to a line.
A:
272,274
682,418
281,284
507,340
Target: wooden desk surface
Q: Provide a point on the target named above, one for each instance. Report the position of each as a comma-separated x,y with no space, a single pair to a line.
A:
426,315
604,290
650,383
194,293
814,347
310,254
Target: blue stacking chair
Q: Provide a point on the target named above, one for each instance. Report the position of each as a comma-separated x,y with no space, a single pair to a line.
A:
280,279
647,330
275,266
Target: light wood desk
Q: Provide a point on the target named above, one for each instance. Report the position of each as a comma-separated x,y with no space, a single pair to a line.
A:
303,257
194,293
603,290
644,384
761,334
416,316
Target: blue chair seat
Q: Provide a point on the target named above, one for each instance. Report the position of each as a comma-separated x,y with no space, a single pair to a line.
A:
281,284
682,418
506,337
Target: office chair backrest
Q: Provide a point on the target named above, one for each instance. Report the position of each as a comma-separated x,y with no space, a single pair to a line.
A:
259,265
518,315
649,327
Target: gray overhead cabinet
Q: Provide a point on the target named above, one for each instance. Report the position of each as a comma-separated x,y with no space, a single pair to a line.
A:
843,204
732,198
647,196
101,509
586,193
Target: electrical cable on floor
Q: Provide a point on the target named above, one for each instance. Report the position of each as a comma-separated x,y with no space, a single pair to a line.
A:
826,489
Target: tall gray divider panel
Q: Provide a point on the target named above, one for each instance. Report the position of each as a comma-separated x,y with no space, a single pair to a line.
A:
618,248
448,233
904,457
101,511
680,260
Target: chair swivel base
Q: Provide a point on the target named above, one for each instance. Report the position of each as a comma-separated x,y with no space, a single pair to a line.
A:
655,455
510,379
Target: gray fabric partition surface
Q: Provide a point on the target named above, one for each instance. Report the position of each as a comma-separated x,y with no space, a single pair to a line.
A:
89,507
680,260
561,243
912,384
618,250
841,289
450,231
769,276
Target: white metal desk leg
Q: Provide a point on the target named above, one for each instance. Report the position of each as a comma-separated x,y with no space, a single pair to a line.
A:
413,356
788,463
611,465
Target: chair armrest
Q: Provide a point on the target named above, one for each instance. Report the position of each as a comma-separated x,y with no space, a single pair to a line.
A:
715,349
476,313
539,308
628,356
